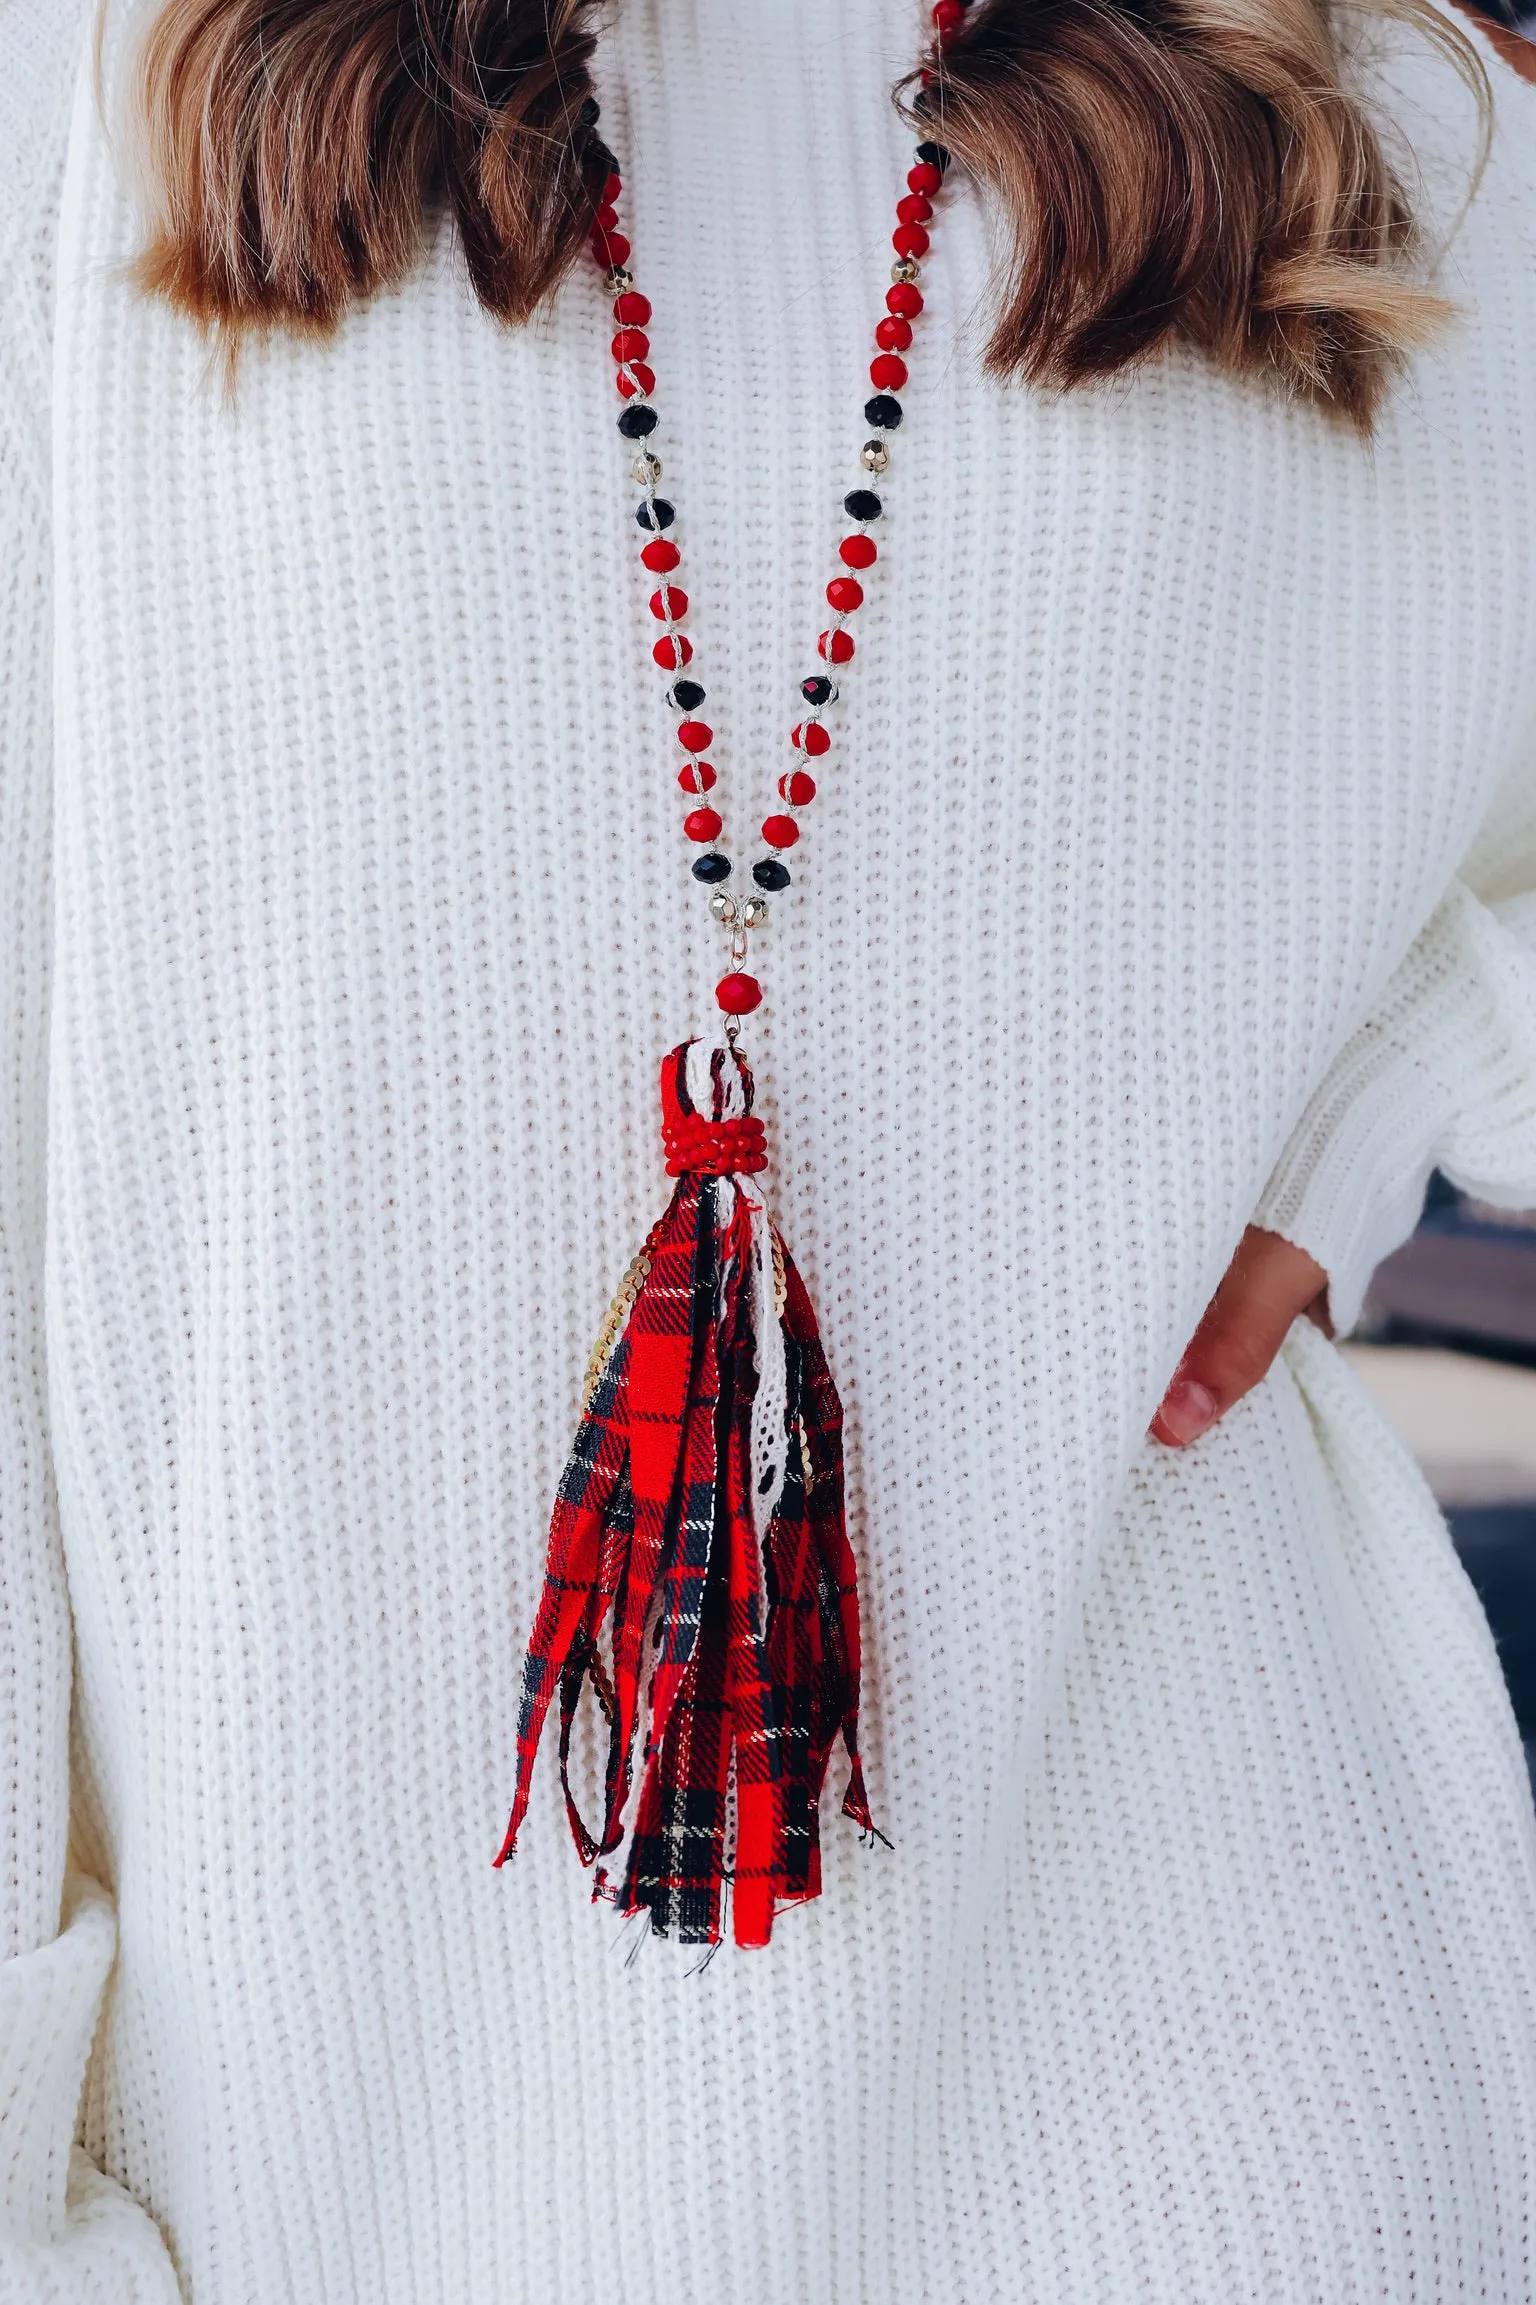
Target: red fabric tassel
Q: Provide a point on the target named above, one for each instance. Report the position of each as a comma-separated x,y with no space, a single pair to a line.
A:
729,1659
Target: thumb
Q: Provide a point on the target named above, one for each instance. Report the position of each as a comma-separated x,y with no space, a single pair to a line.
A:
1268,1283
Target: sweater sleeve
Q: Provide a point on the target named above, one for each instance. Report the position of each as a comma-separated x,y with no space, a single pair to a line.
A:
68,2234
1442,1074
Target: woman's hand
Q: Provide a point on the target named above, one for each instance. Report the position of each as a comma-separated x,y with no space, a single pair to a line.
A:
1266,1285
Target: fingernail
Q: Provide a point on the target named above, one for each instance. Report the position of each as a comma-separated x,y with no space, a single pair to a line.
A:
1187,1409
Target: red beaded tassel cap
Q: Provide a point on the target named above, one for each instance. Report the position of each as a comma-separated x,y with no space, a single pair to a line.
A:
699,1572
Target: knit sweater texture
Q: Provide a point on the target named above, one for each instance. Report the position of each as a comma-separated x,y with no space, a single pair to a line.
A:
1177,870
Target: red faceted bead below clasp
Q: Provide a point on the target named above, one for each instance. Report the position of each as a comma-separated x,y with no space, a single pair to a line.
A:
737,994
631,310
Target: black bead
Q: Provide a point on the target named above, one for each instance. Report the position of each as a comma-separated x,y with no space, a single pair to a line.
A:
656,512
769,873
590,114
818,689
687,695
862,504
712,867
936,156
637,420
883,412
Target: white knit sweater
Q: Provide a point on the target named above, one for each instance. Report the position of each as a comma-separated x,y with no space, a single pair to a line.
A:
1180,870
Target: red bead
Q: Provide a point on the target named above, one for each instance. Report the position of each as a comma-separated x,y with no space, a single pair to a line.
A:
636,378
669,600
809,736
697,776
673,652
905,298
659,556
612,187
888,371
892,335
910,240
695,735
948,17
925,177
703,825
914,208
796,787
835,647
631,310
857,552
780,831
631,344
606,219
738,995
610,248
845,593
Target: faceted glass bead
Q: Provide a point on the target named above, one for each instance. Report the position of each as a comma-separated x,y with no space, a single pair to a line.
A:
888,370
769,873
858,552
637,420
818,689
644,468
904,272
660,557
881,411
686,694
673,652
862,504
636,381
632,310
738,994
656,512
724,907
668,600
755,911
935,155
780,831
703,824
874,456
797,788
697,776
845,594
712,867
904,300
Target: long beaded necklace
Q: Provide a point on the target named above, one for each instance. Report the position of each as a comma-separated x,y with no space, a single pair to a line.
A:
699,1575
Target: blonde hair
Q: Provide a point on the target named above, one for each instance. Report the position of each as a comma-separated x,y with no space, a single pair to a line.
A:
1171,169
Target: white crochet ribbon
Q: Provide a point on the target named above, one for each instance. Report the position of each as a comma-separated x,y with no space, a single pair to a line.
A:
770,1406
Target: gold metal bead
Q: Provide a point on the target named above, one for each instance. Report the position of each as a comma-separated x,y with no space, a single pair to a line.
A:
905,268
646,468
723,907
874,456
755,912
619,281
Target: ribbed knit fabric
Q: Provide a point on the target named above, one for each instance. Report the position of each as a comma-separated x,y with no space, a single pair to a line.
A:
1177,868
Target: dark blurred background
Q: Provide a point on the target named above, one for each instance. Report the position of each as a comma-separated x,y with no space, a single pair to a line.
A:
1447,1343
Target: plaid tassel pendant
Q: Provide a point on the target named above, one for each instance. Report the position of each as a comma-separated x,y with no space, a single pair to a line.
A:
699,1574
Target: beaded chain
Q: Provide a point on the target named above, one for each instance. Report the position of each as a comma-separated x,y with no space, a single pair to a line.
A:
738,992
